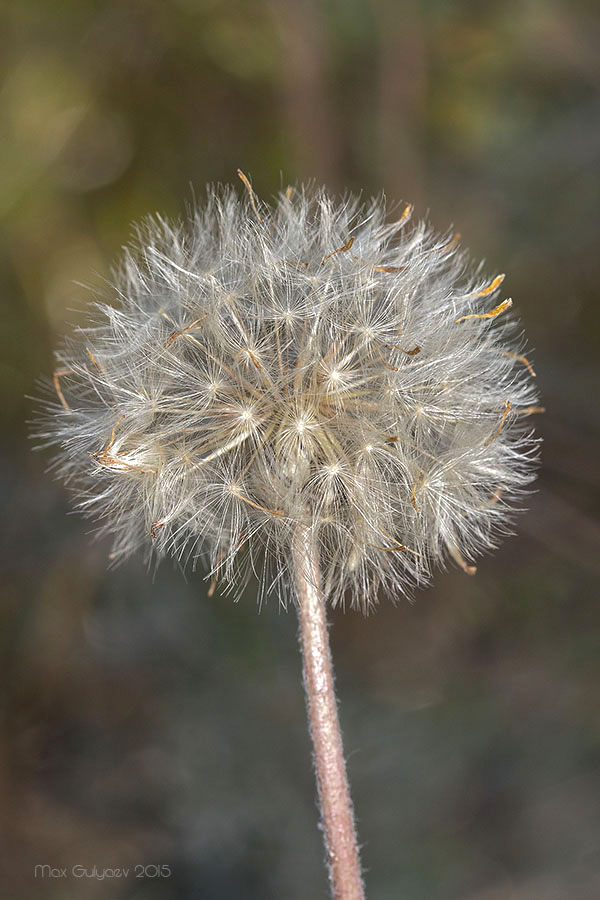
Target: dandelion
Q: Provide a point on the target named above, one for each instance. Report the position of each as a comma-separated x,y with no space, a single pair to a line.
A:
310,391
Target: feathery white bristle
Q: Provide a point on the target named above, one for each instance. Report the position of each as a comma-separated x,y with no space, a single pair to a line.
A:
301,364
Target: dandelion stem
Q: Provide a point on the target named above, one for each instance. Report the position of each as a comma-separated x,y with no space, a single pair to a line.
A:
332,782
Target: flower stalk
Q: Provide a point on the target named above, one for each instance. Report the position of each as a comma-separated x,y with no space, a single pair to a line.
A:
335,803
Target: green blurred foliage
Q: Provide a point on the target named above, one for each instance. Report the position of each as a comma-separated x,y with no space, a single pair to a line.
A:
145,723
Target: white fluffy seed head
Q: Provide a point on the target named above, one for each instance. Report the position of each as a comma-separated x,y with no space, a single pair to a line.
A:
303,365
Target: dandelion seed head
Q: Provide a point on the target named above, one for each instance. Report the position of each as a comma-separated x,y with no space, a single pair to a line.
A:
306,364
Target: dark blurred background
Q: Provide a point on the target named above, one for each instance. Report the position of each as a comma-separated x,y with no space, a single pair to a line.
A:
145,724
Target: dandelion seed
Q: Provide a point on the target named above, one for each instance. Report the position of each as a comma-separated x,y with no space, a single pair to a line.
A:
343,249
58,374
493,286
506,304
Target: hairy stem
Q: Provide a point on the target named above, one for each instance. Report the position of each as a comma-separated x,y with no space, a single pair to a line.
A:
332,782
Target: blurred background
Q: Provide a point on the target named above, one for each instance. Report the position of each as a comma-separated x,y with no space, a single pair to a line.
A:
144,724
